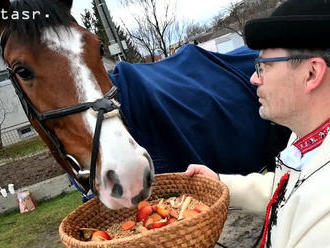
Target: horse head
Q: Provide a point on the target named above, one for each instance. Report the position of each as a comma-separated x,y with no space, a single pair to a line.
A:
56,64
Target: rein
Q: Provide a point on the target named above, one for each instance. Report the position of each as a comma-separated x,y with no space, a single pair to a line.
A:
105,107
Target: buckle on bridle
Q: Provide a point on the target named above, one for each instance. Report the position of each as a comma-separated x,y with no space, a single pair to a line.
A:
80,172
109,106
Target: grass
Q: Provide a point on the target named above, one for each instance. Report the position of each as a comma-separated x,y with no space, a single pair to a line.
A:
38,228
23,148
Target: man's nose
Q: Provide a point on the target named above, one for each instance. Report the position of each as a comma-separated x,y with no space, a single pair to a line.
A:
255,79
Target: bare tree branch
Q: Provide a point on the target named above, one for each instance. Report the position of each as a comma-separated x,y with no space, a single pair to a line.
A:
143,37
159,18
240,13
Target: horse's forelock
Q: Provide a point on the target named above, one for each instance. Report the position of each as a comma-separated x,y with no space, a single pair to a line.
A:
53,14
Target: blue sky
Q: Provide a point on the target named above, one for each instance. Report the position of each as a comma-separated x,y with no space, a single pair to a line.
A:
200,11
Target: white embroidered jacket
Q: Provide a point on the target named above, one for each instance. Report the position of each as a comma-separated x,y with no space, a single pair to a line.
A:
303,217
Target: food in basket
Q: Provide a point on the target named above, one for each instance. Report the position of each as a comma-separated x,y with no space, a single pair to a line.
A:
150,215
128,225
94,234
100,236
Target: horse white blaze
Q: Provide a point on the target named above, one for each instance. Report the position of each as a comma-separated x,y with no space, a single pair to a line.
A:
119,152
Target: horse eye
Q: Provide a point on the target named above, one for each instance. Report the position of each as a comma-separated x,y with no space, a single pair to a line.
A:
101,50
24,73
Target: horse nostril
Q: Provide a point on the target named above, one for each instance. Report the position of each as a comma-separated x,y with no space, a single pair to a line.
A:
112,178
117,191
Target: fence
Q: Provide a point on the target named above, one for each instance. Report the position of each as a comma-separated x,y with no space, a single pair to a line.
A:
16,135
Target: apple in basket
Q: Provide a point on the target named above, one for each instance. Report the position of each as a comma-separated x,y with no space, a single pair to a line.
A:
144,213
100,236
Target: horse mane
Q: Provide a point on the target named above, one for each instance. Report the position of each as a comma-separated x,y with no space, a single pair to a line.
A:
30,30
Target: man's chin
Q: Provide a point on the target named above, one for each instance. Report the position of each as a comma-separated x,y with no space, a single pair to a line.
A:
262,113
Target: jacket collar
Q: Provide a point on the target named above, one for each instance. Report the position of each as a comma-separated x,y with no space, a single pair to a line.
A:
314,139
322,158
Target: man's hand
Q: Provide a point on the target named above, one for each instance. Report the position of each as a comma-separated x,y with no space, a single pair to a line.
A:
202,170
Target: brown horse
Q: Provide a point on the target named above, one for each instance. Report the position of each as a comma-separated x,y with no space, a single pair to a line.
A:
57,70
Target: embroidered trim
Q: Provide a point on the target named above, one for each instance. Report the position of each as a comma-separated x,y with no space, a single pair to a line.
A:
282,183
313,139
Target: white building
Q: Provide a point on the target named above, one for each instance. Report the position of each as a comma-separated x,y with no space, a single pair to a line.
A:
223,44
16,126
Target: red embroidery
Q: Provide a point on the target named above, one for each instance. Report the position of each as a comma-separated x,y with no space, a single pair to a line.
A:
283,180
313,139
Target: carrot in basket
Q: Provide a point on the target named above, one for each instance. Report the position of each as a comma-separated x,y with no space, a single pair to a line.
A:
128,225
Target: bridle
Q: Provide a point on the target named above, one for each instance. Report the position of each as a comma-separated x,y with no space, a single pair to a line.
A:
105,107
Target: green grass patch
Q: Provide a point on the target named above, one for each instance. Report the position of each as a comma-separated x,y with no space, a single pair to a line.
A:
23,148
38,228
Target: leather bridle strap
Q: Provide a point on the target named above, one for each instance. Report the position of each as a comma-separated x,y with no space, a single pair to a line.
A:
95,150
107,104
81,107
104,105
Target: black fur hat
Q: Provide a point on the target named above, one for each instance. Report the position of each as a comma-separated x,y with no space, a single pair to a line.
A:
294,24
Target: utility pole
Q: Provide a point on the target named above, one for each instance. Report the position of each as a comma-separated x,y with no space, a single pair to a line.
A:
116,47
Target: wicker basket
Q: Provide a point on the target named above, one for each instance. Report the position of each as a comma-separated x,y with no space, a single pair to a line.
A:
200,231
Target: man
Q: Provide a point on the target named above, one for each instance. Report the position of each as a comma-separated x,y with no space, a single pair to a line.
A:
293,80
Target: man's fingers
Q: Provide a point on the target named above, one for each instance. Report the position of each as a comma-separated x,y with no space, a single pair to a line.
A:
200,169
190,171
193,169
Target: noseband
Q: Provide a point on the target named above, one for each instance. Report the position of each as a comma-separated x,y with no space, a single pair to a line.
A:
105,107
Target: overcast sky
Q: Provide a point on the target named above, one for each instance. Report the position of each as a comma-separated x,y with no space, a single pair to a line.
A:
200,11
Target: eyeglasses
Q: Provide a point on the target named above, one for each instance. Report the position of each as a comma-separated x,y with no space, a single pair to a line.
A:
259,61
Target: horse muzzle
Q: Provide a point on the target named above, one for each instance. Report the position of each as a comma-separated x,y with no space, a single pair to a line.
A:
126,187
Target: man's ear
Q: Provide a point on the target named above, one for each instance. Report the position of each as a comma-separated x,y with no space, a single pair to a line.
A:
317,72
67,3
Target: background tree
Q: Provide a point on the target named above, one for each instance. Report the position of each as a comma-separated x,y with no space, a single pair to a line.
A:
193,30
143,37
155,25
88,20
237,14
178,32
92,22
98,26
3,115
132,53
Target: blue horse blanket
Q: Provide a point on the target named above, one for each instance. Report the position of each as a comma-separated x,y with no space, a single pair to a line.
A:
195,107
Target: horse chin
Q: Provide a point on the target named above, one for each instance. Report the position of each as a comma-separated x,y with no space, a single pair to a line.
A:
117,203
114,203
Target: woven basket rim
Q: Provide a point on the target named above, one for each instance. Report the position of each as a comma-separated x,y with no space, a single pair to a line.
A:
221,201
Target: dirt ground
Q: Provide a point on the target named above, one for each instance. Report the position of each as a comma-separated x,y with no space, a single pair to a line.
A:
31,170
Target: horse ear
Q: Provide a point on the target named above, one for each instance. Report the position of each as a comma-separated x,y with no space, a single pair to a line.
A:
67,3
